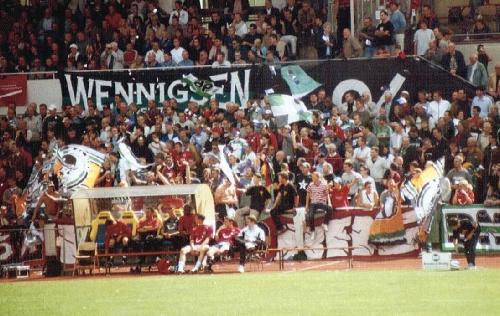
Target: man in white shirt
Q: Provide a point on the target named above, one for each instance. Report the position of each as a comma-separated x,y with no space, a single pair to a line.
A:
177,51
378,166
361,153
437,107
220,61
239,25
155,50
423,36
180,13
484,102
396,138
249,238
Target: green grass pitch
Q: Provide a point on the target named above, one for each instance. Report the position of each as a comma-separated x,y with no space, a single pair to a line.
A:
299,293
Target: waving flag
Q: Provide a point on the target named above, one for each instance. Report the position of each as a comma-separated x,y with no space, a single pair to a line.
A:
286,109
202,88
299,82
424,190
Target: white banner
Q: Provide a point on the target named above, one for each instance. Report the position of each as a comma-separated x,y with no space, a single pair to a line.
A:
488,217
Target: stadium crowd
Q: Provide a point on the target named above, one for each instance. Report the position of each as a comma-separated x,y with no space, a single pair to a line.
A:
350,154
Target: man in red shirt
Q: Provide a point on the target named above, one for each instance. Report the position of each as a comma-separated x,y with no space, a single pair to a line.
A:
339,194
225,239
148,230
186,222
198,244
117,233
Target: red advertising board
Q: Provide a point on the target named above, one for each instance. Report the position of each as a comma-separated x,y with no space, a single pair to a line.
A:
13,89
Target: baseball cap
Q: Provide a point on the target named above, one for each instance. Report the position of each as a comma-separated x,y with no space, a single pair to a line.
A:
252,218
52,107
337,180
73,46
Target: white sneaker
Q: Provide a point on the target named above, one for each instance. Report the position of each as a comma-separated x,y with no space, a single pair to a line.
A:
241,269
325,227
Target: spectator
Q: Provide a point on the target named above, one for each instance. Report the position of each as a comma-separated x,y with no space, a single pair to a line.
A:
476,72
423,38
494,83
351,47
367,37
185,60
326,43
220,61
180,13
454,61
384,32
399,23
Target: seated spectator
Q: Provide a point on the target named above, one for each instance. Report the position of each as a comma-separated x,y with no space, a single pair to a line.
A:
186,62
249,238
367,198
220,61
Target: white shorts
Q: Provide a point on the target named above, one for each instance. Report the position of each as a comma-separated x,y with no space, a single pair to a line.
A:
222,246
197,248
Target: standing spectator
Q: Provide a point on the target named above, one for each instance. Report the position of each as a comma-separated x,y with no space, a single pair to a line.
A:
437,107
454,61
326,43
351,47
384,32
422,39
367,37
180,13
399,22
306,17
494,83
476,72
289,31
429,17
342,13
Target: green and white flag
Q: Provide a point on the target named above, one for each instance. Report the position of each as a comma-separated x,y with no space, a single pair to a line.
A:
298,81
287,109
202,88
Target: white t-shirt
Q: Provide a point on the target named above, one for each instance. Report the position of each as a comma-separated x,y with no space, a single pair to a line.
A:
422,38
177,54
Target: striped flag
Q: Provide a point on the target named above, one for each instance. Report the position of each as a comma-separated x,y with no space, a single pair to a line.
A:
286,109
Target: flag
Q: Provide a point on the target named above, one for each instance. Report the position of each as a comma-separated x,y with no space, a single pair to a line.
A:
286,109
299,82
202,88
77,167
423,190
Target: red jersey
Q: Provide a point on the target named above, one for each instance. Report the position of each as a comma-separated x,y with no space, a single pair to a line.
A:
186,223
340,196
115,230
228,234
149,222
200,233
462,196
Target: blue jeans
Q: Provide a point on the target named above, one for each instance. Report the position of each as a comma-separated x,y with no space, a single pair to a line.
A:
369,52
313,208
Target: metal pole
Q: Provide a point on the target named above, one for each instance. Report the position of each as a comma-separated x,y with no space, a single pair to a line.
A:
352,16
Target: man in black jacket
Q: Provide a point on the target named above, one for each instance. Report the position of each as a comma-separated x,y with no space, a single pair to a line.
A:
454,61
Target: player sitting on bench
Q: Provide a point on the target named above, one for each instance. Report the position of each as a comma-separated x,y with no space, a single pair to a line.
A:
117,234
198,244
225,239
